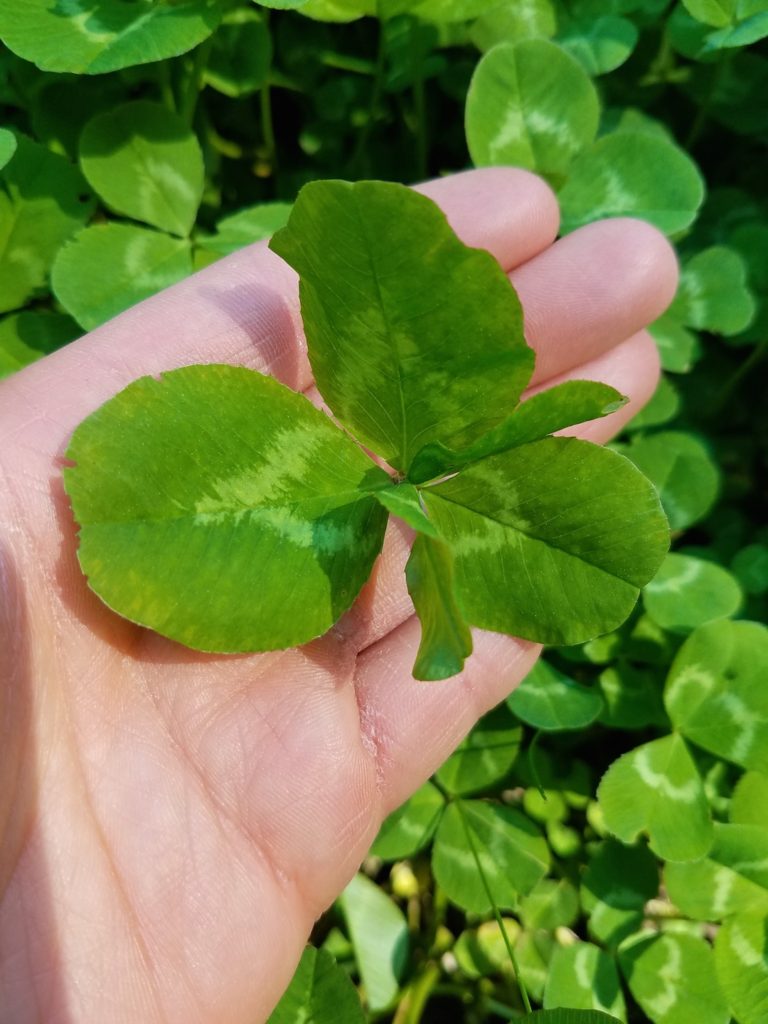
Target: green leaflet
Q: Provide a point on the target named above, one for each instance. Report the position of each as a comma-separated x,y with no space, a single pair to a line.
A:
656,789
686,592
584,977
26,337
532,104
575,401
749,805
685,475
511,850
548,699
618,882
106,268
673,979
146,163
632,174
403,501
550,905
508,23
741,956
379,934
408,829
552,540
7,146
732,879
223,510
570,1017
713,293
386,326
43,201
246,226
715,692
599,44
320,991
483,757
104,35
445,637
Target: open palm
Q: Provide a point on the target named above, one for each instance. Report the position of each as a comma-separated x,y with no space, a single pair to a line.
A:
173,822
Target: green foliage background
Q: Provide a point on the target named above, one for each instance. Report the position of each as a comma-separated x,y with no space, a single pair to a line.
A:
612,816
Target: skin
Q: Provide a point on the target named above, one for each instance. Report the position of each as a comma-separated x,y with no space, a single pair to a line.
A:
173,823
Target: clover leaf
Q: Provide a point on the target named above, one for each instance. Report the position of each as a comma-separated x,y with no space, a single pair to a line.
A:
224,511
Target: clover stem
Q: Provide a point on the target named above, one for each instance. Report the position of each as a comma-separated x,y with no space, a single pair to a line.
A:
496,911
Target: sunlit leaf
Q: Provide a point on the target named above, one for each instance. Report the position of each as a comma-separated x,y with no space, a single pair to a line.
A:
741,956
632,174
656,789
672,977
320,991
395,363
94,36
146,163
108,267
732,879
522,19
379,934
562,1016
549,699
712,12
511,850
560,558
485,756
749,805
241,518
408,829
687,592
584,977
482,951
43,201
715,692
531,104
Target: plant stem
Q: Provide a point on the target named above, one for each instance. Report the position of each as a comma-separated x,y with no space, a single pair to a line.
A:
419,102
417,995
189,100
758,353
267,126
532,763
496,911
376,89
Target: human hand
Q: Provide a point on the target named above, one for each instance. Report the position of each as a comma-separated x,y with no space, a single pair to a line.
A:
174,822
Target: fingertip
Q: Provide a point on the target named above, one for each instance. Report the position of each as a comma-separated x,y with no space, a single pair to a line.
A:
510,212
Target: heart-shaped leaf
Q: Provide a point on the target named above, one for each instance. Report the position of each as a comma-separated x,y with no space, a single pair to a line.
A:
320,991
715,692
550,700
146,163
656,789
741,956
584,977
